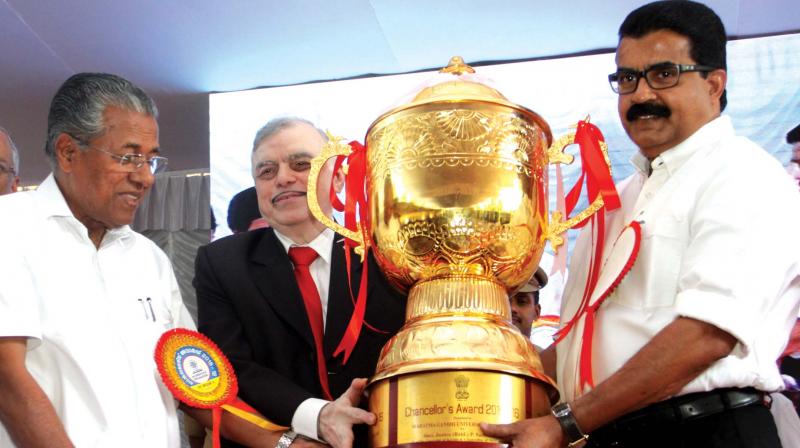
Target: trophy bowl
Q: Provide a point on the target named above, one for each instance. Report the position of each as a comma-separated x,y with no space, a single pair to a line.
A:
456,185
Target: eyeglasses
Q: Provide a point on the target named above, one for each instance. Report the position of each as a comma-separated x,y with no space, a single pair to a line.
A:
7,170
131,162
659,76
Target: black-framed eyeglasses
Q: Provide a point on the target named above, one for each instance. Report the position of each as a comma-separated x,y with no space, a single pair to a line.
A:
131,162
659,76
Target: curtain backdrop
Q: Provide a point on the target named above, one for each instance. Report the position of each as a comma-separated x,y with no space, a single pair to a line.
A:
176,215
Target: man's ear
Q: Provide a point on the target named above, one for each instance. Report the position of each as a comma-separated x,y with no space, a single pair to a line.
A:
15,184
65,148
717,81
338,180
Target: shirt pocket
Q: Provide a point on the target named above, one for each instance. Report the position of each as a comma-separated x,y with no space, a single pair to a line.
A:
150,318
653,280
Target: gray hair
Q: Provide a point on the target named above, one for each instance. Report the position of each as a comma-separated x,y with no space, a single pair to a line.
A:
78,105
278,124
14,150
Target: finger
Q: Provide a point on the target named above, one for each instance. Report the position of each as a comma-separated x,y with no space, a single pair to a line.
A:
503,432
353,393
358,415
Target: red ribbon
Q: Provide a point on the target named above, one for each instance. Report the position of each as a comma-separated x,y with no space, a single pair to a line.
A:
216,421
599,183
356,212
585,366
594,170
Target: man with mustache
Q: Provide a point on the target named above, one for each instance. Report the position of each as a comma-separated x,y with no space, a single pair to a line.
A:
83,298
683,351
277,300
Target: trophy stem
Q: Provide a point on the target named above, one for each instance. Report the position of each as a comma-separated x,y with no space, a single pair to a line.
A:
468,295
455,323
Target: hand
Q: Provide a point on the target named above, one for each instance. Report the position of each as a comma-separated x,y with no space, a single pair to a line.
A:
540,432
338,417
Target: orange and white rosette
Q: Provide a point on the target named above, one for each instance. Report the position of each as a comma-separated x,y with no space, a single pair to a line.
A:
197,373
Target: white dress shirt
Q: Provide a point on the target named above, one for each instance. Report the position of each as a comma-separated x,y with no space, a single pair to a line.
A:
92,317
720,244
304,420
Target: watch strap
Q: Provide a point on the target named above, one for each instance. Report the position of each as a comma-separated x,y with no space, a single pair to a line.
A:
286,439
563,414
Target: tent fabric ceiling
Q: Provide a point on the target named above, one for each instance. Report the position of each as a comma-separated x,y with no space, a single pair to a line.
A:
178,51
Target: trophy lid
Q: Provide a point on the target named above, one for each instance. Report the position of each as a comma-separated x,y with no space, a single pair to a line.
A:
458,83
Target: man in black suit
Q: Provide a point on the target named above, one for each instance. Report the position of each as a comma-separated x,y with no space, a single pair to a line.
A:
250,301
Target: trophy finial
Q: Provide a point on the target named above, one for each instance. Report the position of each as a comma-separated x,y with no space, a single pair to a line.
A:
457,67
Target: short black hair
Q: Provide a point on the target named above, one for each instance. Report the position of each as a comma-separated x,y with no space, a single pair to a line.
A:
243,209
793,136
699,23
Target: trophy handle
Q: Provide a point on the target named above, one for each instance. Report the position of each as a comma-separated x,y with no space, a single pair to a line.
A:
556,225
333,148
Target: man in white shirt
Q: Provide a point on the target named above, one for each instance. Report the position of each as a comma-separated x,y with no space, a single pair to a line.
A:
83,298
9,164
278,317
684,349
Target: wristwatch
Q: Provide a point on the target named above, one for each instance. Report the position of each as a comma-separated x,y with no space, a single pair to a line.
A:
286,439
563,413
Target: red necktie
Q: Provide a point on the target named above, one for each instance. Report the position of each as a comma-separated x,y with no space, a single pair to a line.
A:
302,257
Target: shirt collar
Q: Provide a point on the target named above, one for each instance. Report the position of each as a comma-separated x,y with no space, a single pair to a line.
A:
50,200
322,244
673,158
51,203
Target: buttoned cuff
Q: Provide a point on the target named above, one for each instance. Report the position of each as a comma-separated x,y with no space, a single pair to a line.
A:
304,420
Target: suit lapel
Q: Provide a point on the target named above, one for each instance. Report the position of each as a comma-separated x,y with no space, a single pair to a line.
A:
340,305
274,276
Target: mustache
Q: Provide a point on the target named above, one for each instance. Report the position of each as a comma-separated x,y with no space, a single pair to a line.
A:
287,193
642,109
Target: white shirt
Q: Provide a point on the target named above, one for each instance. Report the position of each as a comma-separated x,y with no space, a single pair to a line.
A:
720,244
304,419
92,318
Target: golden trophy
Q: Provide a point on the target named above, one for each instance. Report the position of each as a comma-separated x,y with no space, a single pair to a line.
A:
456,182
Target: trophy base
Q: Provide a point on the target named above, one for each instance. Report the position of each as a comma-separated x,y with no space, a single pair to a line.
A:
442,409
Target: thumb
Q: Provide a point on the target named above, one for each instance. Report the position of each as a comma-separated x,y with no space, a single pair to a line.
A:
354,392
502,432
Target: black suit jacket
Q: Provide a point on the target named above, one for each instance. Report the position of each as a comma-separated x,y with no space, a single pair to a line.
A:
249,304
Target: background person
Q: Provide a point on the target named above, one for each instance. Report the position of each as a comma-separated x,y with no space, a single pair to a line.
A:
525,308
9,164
243,212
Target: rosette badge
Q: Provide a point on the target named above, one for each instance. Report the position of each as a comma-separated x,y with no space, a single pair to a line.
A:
198,374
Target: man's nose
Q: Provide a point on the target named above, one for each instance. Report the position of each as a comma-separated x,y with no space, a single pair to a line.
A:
143,176
643,92
285,176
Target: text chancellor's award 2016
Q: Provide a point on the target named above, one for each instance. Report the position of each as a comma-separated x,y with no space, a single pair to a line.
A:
450,192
